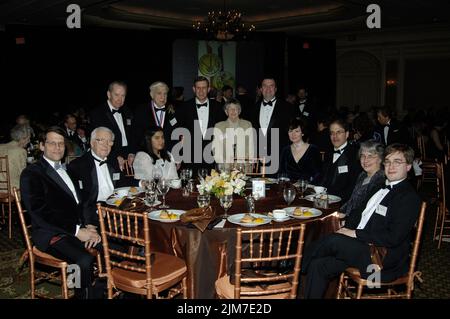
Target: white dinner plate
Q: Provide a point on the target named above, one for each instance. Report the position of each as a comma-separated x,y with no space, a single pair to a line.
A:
123,191
236,219
155,215
112,201
331,198
315,212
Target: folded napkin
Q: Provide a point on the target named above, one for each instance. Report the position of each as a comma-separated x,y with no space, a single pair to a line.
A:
199,217
136,204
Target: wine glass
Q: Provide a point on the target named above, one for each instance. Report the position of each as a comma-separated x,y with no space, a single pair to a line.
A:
289,194
302,185
184,175
226,201
163,187
202,173
283,180
157,174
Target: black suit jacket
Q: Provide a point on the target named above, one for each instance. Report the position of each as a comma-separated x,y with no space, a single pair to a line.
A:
280,118
144,119
50,203
83,172
398,133
341,184
394,230
102,116
188,117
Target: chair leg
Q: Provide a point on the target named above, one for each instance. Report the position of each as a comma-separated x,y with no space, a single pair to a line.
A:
9,220
359,292
64,289
441,233
32,283
184,283
436,224
341,283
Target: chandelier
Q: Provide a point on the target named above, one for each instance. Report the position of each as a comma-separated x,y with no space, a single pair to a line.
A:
223,25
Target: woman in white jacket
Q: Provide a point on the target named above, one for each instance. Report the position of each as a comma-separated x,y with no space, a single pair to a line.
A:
156,157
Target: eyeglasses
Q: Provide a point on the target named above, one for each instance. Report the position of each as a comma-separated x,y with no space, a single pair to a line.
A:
337,133
104,141
395,163
368,156
54,144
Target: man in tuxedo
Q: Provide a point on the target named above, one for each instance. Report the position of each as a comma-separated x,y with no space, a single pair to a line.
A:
71,129
391,130
247,103
271,114
341,166
386,221
155,113
95,177
118,118
54,204
198,116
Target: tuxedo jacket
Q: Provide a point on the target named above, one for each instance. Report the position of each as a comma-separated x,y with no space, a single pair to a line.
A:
77,141
144,119
189,119
102,116
281,115
83,172
50,203
340,177
308,113
393,228
398,133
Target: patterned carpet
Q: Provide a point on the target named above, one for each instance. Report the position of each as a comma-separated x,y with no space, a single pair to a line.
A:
14,282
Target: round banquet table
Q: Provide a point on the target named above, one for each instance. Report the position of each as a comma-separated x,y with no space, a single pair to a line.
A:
209,255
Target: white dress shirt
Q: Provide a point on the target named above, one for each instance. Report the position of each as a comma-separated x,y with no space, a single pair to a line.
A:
265,114
119,120
203,115
386,132
105,184
373,203
337,155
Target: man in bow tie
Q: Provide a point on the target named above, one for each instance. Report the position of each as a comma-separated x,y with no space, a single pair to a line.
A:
391,130
198,116
158,112
54,203
386,221
118,118
80,144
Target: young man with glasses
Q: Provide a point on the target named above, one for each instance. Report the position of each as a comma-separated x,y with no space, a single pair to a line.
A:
54,203
386,221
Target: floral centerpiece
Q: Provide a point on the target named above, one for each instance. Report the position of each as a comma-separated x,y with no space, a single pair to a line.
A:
225,183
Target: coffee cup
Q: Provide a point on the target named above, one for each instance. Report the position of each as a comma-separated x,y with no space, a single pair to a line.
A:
279,214
319,189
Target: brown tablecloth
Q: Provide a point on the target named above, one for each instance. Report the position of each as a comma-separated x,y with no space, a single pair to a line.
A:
206,253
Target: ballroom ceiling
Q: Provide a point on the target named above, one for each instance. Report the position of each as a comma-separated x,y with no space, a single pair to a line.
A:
306,17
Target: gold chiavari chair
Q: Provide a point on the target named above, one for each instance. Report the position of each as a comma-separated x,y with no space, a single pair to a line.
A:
252,166
6,197
442,224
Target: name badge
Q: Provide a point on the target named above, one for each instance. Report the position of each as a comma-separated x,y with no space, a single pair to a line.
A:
305,113
116,176
173,121
342,169
381,210
80,183
128,121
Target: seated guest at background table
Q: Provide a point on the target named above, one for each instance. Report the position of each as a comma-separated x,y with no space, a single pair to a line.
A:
320,137
17,155
386,221
341,167
79,143
53,202
233,138
95,176
368,183
364,130
300,160
155,157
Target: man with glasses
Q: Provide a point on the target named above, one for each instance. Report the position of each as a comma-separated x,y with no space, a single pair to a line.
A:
95,176
386,221
54,204
341,165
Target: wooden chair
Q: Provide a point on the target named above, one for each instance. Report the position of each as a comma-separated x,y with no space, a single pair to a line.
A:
36,256
6,197
352,275
266,249
420,141
252,166
149,274
442,224
128,169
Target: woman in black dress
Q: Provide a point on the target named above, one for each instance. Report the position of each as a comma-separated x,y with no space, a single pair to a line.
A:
300,160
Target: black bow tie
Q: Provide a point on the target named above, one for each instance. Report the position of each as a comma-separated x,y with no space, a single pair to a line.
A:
100,162
387,186
116,111
270,103
387,125
59,165
160,109
202,104
337,151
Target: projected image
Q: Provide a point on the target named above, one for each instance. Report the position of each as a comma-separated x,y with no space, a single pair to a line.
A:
217,62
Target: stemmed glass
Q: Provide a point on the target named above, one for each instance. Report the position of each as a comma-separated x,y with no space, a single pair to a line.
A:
157,174
184,175
226,201
289,194
302,184
202,173
163,187
150,193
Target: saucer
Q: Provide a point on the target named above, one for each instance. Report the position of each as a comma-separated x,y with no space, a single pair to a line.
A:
281,219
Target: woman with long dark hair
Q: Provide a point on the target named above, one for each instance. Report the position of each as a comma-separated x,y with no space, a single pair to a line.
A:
156,156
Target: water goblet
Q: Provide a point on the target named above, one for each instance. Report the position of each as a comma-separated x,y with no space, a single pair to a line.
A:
289,194
163,187
302,187
157,174
202,173
226,201
203,200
